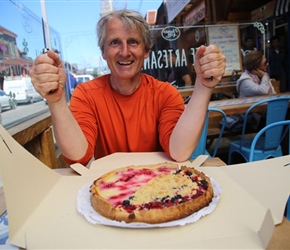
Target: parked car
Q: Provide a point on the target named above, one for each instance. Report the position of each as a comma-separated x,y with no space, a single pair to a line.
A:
7,101
83,78
23,89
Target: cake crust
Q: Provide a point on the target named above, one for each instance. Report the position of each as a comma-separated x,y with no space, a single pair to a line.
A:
167,194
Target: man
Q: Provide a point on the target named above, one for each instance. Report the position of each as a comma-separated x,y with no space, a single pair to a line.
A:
247,47
126,111
71,83
278,63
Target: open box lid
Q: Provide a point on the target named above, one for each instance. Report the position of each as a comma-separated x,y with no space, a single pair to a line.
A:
42,210
26,183
267,181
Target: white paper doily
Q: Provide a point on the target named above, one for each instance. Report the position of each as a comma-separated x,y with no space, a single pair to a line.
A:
85,208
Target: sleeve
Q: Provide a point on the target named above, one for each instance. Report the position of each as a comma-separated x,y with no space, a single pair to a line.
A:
250,88
266,81
272,87
171,109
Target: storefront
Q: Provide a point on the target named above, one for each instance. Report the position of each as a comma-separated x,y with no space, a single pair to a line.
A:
194,22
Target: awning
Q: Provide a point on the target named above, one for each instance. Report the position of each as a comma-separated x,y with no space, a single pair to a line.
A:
282,7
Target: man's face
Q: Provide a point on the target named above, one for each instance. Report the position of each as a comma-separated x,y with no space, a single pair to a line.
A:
124,50
275,43
249,43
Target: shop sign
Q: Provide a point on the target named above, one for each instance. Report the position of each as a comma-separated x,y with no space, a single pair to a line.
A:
196,15
158,59
170,33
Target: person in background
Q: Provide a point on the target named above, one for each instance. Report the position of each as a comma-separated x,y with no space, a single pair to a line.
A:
126,111
1,81
247,47
70,85
178,74
277,63
255,79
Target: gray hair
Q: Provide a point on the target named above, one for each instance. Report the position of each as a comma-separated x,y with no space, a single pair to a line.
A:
131,19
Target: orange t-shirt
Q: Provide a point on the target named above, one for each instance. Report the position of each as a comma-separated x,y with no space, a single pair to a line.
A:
112,122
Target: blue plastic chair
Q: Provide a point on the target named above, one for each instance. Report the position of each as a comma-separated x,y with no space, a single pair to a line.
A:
259,140
266,146
202,143
287,213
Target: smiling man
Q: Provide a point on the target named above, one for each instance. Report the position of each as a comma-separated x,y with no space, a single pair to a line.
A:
126,110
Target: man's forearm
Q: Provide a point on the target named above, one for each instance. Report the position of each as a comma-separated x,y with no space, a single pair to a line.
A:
68,134
186,133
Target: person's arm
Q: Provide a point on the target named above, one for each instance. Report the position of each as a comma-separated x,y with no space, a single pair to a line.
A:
267,84
209,66
187,80
48,77
272,89
249,88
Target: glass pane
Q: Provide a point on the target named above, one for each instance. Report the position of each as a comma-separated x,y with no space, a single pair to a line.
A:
21,39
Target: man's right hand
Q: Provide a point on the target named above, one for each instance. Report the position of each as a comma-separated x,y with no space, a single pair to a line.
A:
48,76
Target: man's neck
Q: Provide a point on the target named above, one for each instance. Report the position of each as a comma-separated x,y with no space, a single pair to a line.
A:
125,87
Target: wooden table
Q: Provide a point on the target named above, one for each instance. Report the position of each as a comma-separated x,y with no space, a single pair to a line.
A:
241,105
36,136
234,106
281,236
225,88
228,88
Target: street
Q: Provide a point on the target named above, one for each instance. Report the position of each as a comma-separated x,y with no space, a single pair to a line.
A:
23,112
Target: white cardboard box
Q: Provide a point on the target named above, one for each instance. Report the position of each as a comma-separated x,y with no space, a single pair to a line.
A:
41,205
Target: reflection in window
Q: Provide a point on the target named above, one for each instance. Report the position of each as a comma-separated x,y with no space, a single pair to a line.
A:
21,39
